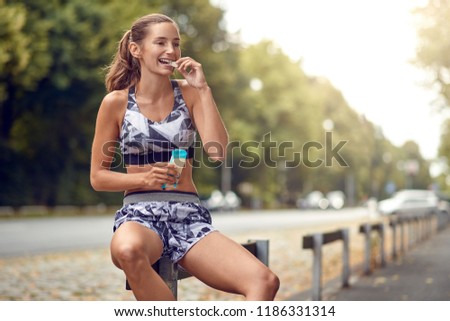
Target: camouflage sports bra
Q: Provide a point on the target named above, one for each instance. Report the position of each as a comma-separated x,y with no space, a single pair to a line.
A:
144,141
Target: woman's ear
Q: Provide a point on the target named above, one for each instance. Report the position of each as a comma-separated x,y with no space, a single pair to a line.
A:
135,50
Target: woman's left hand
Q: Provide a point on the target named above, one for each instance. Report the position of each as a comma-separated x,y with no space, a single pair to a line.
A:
192,71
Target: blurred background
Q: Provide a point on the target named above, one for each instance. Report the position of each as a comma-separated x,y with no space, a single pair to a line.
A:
375,75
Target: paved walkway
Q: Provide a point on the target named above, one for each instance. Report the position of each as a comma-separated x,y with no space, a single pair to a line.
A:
90,275
421,274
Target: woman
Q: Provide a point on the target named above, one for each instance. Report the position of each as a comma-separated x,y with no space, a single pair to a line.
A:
150,115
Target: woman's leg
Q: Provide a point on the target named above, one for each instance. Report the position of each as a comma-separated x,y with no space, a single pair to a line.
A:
134,248
225,265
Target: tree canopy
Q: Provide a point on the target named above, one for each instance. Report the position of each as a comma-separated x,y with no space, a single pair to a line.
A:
433,56
291,133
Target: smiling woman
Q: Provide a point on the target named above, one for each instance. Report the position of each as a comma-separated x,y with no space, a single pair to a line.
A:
153,117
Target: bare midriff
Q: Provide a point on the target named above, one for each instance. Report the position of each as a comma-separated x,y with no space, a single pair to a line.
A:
185,182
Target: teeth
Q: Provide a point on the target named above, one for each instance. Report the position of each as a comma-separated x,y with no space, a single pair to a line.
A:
169,62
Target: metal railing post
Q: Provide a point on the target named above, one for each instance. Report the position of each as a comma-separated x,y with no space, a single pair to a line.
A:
393,224
402,236
345,258
262,250
382,253
317,267
169,273
367,253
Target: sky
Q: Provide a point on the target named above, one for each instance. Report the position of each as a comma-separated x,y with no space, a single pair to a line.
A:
365,48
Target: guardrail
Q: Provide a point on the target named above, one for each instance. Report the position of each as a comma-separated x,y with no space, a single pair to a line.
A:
420,228
367,230
412,228
417,227
315,243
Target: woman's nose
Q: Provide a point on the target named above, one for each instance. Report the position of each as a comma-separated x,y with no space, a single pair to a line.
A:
170,48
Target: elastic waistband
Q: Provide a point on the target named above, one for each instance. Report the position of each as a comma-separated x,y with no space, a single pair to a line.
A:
161,197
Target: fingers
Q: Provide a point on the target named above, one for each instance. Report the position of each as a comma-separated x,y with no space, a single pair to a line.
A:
162,167
163,174
168,171
187,64
173,174
192,71
161,164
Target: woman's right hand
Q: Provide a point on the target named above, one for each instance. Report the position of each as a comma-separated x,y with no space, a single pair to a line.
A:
159,174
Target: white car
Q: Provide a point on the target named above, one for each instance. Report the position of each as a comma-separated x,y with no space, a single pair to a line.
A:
410,202
223,202
314,200
336,199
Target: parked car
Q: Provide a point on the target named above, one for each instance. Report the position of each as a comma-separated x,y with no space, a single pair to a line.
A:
222,202
410,202
314,200
336,199
317,200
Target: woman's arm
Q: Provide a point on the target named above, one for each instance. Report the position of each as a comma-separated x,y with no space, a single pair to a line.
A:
205,114
210,125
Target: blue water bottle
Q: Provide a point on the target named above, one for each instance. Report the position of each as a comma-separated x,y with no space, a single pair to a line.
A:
179,159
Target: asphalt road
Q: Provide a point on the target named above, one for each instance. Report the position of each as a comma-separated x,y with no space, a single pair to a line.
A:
45,235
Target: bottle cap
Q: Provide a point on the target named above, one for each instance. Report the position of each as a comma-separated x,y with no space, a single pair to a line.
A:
179,153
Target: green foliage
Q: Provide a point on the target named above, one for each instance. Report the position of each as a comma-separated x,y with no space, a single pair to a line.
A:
444,148
52,59
24,56
433,56
434,46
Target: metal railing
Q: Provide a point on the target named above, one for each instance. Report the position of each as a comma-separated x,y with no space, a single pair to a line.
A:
367,229
315,243
415,227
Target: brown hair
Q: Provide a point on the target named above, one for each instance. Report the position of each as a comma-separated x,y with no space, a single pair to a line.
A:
125,69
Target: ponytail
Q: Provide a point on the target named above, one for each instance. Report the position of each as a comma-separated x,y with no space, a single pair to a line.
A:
124,69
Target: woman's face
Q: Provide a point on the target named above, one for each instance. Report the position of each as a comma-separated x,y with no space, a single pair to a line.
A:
160,47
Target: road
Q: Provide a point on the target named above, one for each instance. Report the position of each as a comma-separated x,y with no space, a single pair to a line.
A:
22,237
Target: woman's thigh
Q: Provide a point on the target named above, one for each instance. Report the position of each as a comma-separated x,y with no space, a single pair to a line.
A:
132,241
222,263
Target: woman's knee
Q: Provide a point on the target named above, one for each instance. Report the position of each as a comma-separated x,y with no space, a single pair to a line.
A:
132,243
127,254
272,281
268,281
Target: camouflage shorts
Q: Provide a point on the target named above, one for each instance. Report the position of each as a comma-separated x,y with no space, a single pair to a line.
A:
178,218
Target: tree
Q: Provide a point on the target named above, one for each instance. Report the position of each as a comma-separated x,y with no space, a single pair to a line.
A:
433,56
24,59
434,46
56,51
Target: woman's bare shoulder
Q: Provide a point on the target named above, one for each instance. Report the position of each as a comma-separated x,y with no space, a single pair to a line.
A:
115,100
113,107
